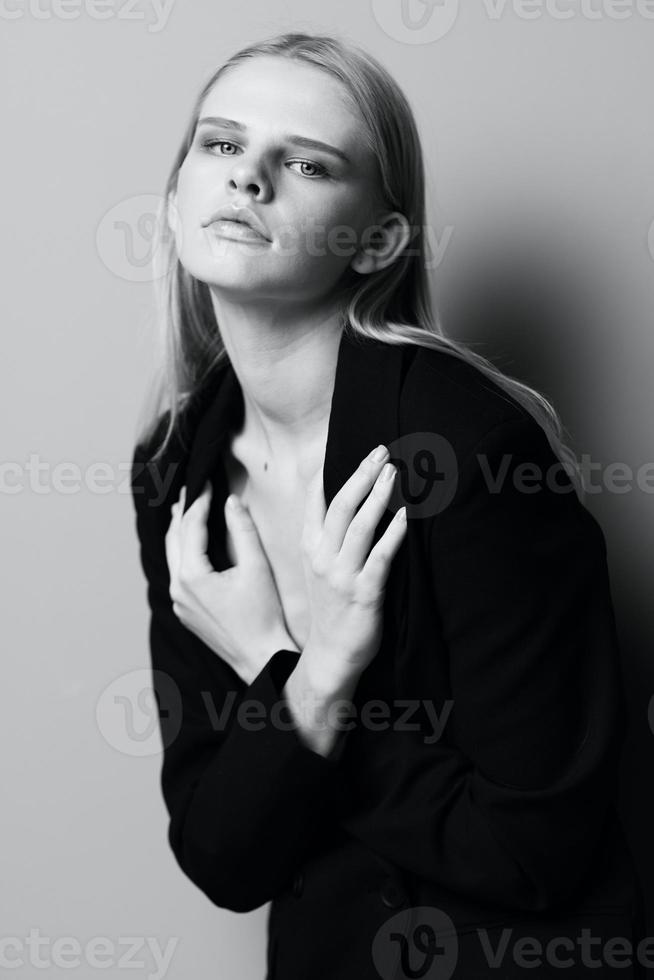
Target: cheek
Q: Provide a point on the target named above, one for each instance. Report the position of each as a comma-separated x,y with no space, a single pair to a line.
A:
318,233
188,195
197,189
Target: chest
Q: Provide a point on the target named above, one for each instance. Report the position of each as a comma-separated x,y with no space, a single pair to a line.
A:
279,518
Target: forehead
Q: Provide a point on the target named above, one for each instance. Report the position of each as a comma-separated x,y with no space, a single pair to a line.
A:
277,94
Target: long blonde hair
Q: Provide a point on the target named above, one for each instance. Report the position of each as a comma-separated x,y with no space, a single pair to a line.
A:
392,305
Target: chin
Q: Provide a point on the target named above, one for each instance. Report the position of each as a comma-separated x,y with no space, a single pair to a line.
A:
222,270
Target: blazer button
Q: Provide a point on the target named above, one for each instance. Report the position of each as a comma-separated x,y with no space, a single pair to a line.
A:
393,894
298,883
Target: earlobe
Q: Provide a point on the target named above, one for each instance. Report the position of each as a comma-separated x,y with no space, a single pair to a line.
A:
363,263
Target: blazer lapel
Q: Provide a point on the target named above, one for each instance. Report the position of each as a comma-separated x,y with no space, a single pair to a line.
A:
222,413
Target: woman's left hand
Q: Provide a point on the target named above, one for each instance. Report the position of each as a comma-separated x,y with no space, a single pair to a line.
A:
236,612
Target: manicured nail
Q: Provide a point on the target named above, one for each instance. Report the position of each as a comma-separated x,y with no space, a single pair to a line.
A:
379,453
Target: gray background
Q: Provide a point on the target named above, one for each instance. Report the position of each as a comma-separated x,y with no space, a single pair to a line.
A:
538,140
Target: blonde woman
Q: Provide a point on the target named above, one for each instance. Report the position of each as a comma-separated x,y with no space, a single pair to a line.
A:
388,687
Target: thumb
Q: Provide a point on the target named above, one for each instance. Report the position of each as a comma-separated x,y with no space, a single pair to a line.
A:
247,544
195,540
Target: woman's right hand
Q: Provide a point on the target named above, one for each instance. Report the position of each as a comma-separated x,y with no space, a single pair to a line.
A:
346,581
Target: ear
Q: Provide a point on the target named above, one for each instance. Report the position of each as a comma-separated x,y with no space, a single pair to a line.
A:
382,243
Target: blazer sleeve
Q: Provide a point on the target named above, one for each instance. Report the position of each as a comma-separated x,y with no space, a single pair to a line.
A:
245,796
519,798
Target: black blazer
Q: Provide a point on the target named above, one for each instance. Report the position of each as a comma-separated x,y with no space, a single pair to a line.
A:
412,842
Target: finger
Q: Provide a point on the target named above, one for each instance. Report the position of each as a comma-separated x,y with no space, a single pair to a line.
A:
172,542
344,505
360,533
179,502
172,555
314,507
248,549
195,538
177,509
373,577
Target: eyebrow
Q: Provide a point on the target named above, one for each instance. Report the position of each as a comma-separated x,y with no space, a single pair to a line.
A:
310,144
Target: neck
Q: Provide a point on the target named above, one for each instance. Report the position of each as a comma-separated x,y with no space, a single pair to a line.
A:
286,371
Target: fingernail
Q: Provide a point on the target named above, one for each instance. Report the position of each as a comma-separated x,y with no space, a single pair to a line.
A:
378,454
233,502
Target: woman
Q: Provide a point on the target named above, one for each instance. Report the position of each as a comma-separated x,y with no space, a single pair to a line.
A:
391,707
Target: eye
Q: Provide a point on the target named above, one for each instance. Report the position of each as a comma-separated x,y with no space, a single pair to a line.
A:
209,143
307,163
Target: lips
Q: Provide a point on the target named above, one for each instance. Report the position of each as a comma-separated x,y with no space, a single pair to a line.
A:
231,223
229,214
228,228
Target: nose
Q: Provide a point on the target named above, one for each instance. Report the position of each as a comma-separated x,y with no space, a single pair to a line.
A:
249,179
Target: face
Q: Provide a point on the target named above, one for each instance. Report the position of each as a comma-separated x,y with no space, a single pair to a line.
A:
314,203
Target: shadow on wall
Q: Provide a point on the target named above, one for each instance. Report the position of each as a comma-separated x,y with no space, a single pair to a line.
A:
547,315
